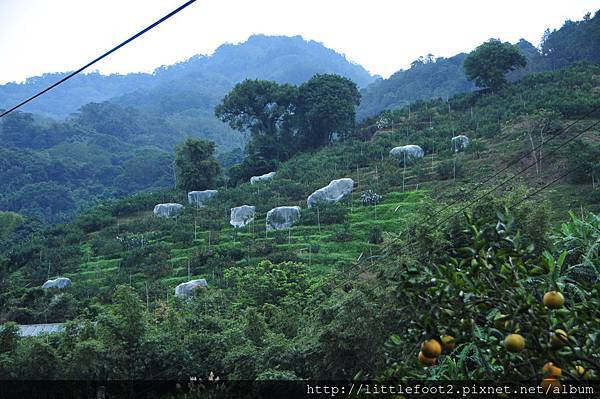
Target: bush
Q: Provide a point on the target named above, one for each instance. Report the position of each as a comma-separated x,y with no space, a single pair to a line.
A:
342,234
289,188
489,285
106,247
449,169
325,213
263,248
152,260
375,236
234,254
182,236
21,316
283,256
94,221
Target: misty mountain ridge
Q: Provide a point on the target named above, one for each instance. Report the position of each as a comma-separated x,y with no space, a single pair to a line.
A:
280,58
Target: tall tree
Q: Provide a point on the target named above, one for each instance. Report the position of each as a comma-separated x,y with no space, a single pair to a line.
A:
195,165
488,64
574,41
326,106
265,110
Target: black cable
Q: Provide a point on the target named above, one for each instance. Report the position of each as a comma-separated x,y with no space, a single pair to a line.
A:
69,76
552,137
525,198
518,174
533,194
438,225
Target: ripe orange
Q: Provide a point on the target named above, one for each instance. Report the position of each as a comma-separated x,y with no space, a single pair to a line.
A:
550,370
431,348
448,342
427,361
554,300
514,343
559,339
549,385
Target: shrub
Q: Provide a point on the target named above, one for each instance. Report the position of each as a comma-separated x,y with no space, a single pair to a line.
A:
280,237
106,247
325,213
150,259
94,221
283,256
342,234
182,236
370,197
449,169
488,286
375,236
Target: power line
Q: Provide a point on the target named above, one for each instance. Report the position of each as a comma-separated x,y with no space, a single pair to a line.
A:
438,225
72,74
533,194
525,198
518,174
552,137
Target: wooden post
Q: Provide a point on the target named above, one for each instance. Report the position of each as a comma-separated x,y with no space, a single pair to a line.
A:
318,219
403,169
454,172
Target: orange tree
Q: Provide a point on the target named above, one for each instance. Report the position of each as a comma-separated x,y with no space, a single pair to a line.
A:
485,286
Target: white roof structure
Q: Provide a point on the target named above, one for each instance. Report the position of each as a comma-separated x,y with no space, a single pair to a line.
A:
34,330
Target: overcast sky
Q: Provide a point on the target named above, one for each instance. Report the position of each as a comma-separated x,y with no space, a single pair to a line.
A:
38,36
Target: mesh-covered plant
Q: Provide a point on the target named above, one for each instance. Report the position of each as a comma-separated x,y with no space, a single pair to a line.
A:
370,197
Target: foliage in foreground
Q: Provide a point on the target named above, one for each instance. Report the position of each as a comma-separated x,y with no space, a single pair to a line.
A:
481,280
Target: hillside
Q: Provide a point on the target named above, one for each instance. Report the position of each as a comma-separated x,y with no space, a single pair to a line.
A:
430,77
339,293
207,77
108,149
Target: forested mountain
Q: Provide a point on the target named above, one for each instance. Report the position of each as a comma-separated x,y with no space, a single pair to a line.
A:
430,77
190,84
104,149
426,78
88,156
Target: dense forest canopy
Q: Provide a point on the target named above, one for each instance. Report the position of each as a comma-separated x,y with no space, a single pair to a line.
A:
284,119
